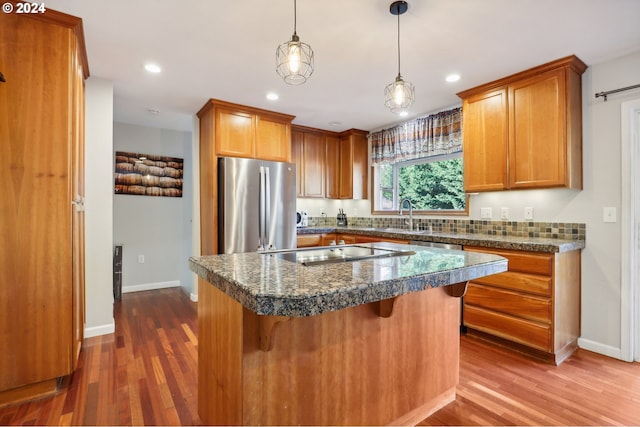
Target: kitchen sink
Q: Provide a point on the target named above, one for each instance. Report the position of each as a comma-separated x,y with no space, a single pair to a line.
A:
336,254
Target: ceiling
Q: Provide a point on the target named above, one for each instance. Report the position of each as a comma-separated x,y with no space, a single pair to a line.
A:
226,50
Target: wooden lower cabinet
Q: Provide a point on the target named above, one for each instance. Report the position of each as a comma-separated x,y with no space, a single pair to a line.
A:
310,240
535,305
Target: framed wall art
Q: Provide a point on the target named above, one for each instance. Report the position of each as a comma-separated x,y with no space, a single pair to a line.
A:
148,174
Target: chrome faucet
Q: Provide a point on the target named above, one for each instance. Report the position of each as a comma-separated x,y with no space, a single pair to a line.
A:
402,202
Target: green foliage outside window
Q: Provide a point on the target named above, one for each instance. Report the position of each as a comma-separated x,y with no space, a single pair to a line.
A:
434,185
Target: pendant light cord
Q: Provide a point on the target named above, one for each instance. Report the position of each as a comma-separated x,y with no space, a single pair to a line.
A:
398,41
295,14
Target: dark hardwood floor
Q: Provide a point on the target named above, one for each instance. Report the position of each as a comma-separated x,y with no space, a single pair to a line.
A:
146,374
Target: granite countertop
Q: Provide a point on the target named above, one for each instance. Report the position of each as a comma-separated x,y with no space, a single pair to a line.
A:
532,244
270,285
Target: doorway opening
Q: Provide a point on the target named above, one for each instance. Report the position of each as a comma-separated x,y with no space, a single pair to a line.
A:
630,265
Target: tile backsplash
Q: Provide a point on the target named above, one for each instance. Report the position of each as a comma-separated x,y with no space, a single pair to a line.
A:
551,230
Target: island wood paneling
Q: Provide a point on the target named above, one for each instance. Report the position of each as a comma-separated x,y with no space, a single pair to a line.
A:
344,367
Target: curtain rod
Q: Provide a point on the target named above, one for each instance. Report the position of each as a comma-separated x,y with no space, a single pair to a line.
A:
609,92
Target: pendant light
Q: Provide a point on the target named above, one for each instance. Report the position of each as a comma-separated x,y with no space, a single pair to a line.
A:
294,59
399,95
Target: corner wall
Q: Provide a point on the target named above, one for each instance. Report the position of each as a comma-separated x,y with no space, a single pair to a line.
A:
157,228
98,207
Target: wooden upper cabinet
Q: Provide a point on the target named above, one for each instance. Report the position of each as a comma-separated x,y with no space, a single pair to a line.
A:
241,131
485,141
273,139
308,150
538,112
525,130
235,133
354,160
332,167
297,157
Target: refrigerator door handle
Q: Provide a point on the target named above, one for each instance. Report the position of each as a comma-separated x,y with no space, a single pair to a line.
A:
261,211
267,210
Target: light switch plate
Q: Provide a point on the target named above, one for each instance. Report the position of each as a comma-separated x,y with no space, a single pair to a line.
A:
609,214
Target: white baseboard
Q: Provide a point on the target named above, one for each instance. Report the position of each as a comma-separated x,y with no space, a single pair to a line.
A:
150,286
96,331
597,347
194,297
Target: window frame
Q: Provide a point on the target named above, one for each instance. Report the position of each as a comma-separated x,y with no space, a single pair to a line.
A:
376,189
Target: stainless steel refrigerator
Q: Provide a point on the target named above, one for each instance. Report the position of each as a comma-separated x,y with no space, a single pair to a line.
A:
256,205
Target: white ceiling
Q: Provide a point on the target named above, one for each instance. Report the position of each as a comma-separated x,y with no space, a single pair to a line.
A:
226,50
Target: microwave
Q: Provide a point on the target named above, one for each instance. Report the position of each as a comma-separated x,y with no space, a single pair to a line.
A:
302,219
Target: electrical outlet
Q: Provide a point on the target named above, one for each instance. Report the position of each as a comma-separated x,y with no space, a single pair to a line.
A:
528,213
140,259
486,213
504,213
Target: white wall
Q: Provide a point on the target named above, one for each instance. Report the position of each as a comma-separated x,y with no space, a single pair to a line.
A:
159,228
99,207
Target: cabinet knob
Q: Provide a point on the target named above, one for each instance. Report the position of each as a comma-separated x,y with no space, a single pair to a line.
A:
2,79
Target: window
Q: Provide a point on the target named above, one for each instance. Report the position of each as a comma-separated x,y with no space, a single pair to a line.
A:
433,184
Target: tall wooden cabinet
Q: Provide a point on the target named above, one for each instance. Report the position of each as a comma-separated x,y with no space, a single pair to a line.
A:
525,130
44,62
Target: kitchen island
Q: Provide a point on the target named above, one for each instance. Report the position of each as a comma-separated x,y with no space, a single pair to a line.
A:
373,341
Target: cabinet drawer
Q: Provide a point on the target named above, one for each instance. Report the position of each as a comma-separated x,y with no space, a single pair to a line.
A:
538,285
508,302
525,262
307,240
523,331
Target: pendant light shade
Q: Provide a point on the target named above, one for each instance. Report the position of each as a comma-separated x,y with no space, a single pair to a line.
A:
294,59
399,95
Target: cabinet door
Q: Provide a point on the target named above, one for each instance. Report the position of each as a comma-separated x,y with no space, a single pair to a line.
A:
314,160
36,221
235,133
360,167
272,140
346,168
332,167
485,141
537,142
297,157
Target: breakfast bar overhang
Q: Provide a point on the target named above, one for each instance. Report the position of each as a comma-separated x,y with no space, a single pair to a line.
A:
365,342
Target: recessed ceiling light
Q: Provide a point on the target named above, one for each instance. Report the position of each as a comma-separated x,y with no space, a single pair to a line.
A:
272,96
153,111
152,68
335,123
403,113
452,78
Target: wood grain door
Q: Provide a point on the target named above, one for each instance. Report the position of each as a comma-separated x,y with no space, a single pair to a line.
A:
235,133
537,132
36,214
273,140
485,141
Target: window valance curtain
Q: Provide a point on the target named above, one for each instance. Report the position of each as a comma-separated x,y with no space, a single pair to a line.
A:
433,135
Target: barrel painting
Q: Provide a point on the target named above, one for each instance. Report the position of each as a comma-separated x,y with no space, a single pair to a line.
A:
148,174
